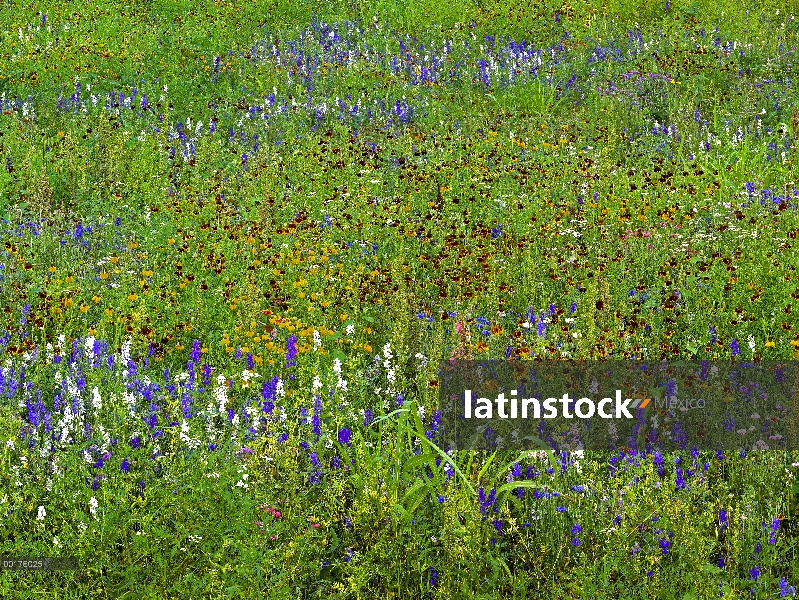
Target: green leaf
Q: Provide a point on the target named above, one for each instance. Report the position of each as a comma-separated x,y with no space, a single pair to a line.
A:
516,484
713,569
444,455
334,542
409,464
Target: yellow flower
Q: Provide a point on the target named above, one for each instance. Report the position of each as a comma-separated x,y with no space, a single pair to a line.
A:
132,297
770,344
84,308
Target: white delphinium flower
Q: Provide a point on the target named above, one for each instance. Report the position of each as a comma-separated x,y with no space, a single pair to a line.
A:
751,343
341,383
317,339
184,436
246,375
97,402
105,437
350,329
124,355
317,384
422,359
220,393
41,514
88,344
93,506
130,401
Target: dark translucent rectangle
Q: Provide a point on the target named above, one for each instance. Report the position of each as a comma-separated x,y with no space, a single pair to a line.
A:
611,405
68,563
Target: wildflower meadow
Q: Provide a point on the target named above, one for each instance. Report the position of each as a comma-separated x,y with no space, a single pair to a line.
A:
238,241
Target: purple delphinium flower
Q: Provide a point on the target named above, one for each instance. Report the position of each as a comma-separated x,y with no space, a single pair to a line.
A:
735,349
664,544
195,351
433,577
487,503
679,480
291,351
657,460
723,519
785,589
344,436
775,526
125,466
754,573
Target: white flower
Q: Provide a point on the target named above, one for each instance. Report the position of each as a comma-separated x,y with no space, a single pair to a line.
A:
97,402
56,542
350,329
93,506
317,383
41,514
89,345
317,339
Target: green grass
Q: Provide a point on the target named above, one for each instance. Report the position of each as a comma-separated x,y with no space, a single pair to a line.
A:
473,203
